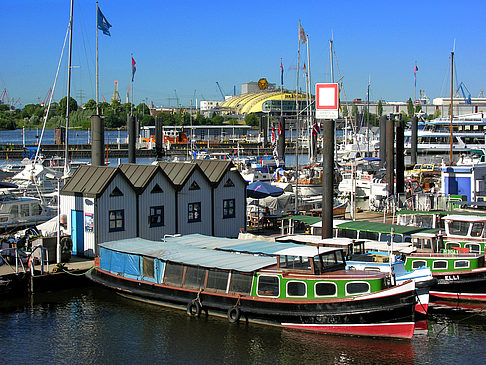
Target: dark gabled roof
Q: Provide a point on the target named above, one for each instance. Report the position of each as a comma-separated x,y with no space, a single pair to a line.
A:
90,180
215,169
179,173
141,175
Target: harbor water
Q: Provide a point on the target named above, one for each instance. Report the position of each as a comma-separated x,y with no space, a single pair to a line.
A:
93,325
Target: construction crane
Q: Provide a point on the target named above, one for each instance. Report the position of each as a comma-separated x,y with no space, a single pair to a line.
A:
462,86
221,91
46,98
3,96
116,94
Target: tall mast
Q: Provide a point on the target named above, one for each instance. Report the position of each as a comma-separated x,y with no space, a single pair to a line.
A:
66,170
297,128
97,71
452,102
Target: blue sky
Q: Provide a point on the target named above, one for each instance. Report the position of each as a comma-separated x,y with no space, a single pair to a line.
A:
184,47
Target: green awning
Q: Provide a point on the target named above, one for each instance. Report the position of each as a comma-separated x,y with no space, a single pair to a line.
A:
307,219
367,226
436,212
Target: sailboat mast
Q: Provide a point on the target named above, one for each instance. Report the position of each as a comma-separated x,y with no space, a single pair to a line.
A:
297,126
97,74
452,102
68,88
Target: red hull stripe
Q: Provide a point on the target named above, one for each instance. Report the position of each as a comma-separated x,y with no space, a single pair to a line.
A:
421,308
461,296
398,330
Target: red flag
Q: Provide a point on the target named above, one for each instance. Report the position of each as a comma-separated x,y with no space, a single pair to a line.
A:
315,129
416,68
302,36
279,129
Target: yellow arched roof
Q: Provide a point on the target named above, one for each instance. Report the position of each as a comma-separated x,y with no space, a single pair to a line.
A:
252,102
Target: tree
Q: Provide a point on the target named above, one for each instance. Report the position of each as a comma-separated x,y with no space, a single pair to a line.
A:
73,106
252,120
354,110
410,108
345,111
90,105
380,108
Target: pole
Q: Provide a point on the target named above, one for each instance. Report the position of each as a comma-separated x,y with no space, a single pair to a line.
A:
68,89
131,72
58,240
297,127
97,70
452,103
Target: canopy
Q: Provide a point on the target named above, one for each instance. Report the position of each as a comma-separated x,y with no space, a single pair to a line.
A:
259,190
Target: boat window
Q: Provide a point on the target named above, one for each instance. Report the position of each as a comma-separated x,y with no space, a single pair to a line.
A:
217,279
330,260
427,243
473,247
369,235
477,229
461,264
348,233
116,220
36,209
451,245
148,267
357,287
458,228
419,263
24,210
195,277
295,263
14,211
296,289
325,289
425,221
442,264
156,217
371,268
173,273
268,286
241,283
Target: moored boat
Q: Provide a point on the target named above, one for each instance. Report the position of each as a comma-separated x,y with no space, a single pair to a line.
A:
282,284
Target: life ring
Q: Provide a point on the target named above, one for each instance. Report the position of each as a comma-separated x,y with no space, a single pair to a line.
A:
234,314
194,308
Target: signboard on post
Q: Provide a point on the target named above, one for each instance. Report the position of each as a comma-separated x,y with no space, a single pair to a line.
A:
327,101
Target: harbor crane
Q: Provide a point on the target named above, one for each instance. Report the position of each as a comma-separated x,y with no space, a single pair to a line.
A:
221,91
462,86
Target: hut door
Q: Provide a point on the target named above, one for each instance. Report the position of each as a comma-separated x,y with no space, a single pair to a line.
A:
77,232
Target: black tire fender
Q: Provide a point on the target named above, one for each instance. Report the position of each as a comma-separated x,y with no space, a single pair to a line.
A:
234,314
194,308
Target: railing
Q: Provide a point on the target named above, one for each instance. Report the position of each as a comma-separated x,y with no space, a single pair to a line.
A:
21,257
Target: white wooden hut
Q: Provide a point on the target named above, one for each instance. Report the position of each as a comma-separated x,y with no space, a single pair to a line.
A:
156,200
98,202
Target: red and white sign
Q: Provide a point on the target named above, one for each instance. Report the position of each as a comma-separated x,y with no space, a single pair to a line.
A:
327,101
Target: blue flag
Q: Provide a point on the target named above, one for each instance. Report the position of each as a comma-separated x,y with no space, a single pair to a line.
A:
103,24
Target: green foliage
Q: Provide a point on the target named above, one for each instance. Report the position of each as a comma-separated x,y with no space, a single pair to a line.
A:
90,105
345,111
410,108
73,106
252,120
354,110
380,108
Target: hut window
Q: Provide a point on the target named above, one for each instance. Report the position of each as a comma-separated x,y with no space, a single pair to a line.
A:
296,289
194,212
194,186
357,287
116,220
241,283
116,192
462,264
228,208
325,289
268,286
228,184
440,264
173,273
156,217
217,280
419,263
195,277
156,189
148,267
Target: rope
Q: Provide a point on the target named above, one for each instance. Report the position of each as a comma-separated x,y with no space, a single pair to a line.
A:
71,273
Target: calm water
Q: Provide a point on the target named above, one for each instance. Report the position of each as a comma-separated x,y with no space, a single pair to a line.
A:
95,326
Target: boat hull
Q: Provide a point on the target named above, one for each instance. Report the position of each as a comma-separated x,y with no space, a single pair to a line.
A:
389,313
461,285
